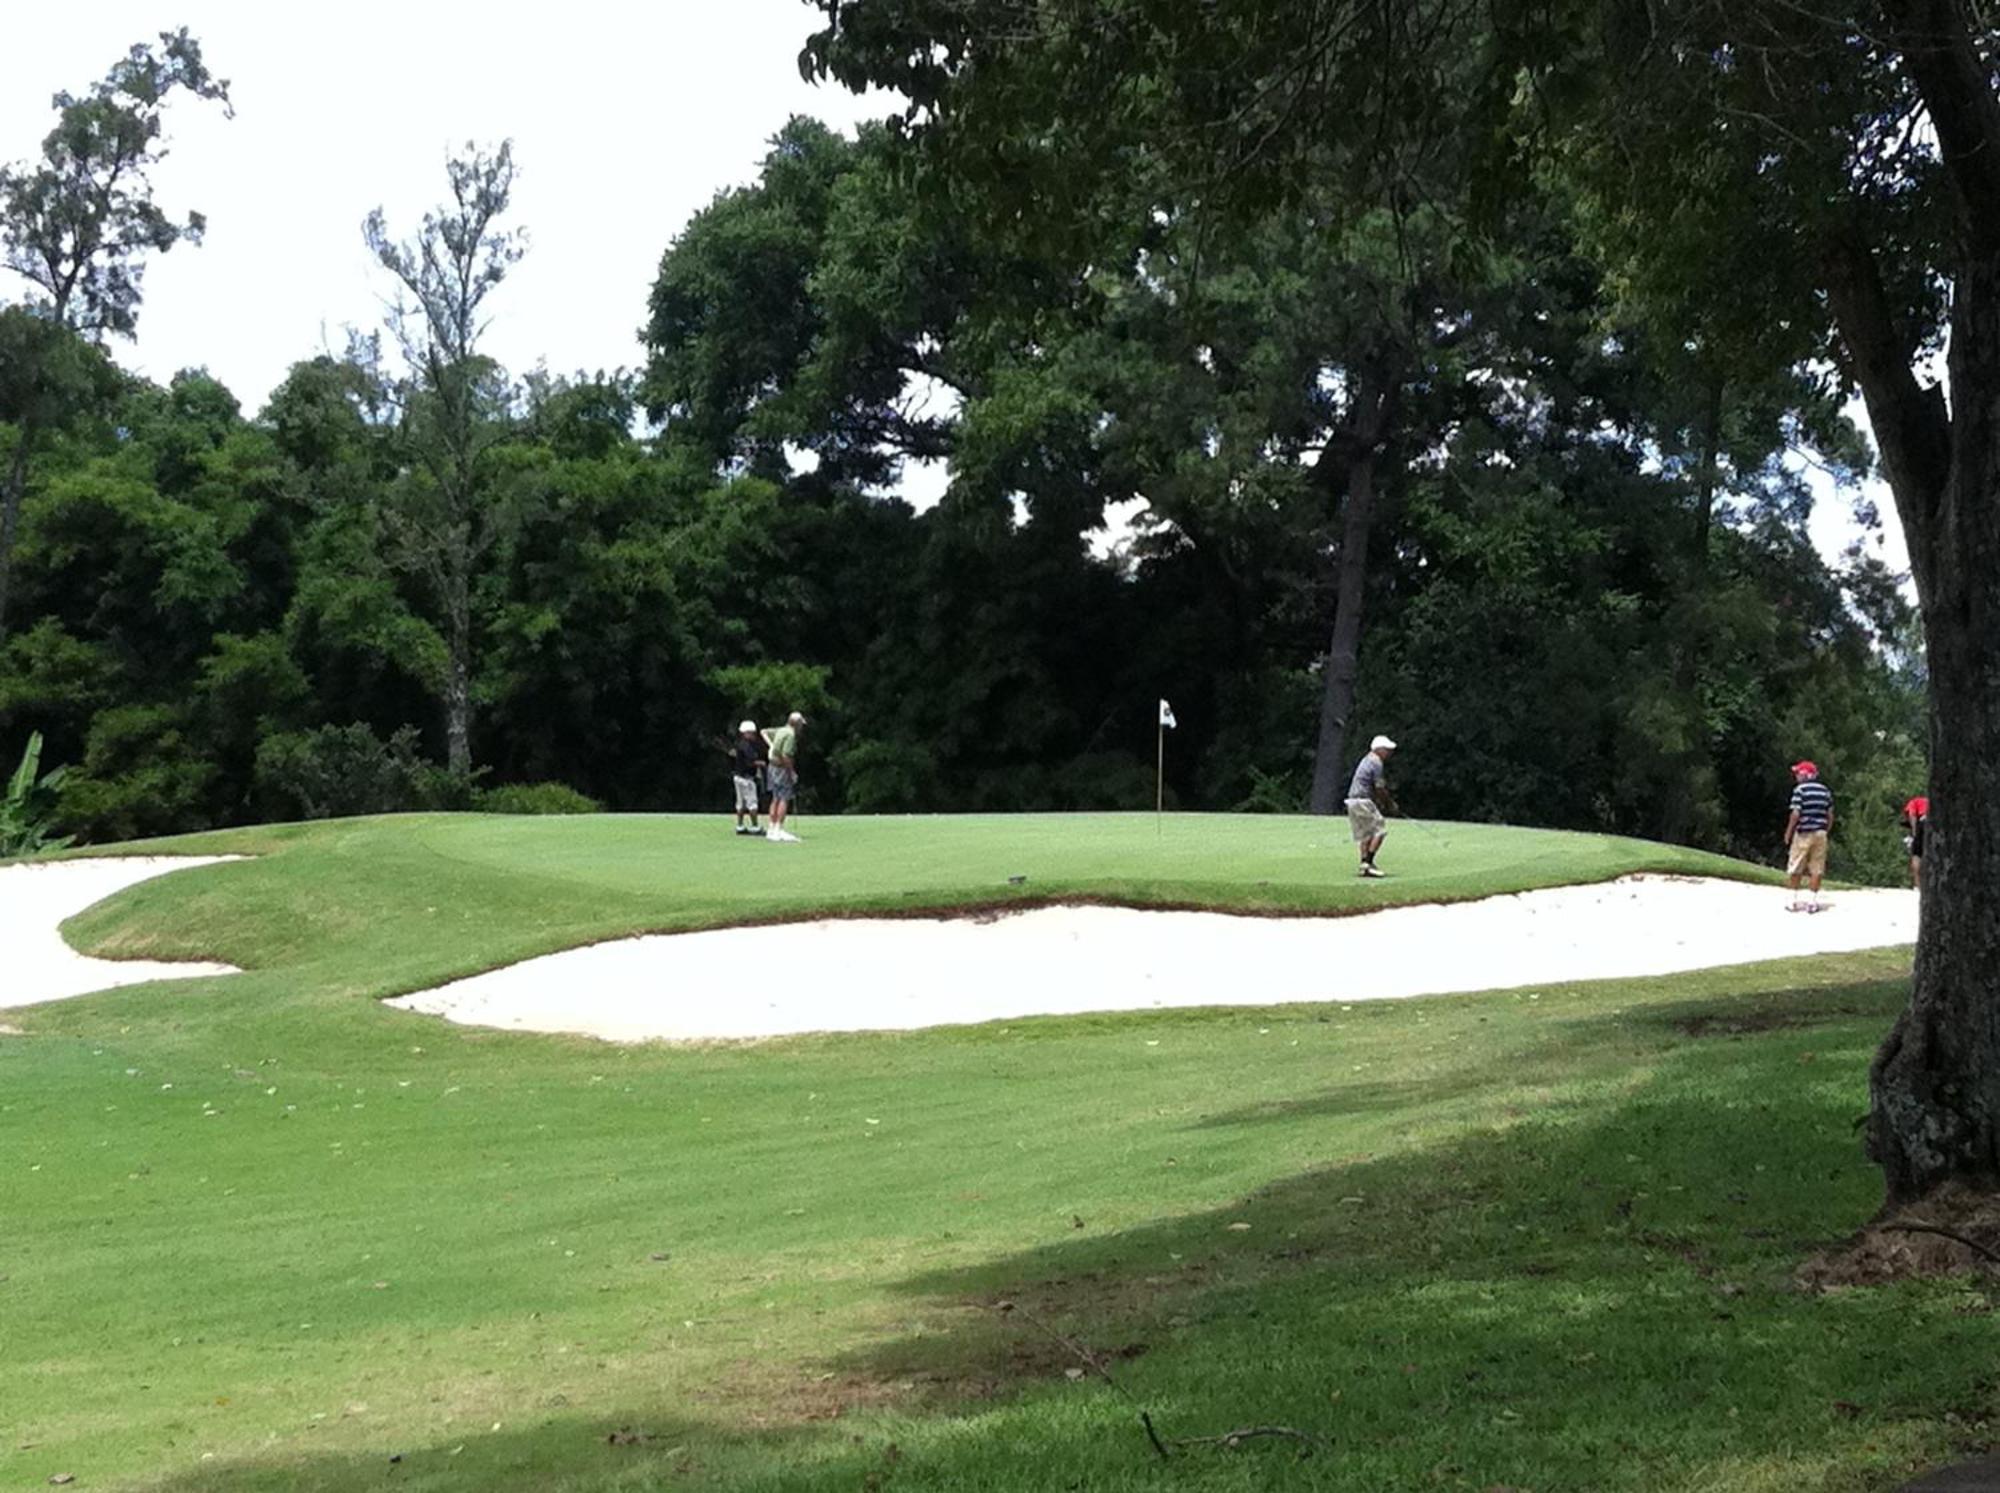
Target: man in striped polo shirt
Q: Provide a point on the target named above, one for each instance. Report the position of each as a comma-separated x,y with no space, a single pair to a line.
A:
1806,831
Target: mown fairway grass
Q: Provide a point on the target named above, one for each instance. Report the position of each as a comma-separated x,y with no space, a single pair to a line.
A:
260,1233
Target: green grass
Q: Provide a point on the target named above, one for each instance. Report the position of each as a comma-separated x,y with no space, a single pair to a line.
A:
376,905
260,1233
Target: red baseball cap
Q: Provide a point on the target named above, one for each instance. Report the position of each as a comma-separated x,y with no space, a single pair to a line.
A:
1805,770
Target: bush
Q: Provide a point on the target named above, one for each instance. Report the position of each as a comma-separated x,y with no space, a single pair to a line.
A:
1103,780
883,777
534,798
338,771
140,777
28,808
1274,792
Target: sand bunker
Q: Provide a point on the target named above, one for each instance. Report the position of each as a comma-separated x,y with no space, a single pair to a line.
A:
36,965
899,974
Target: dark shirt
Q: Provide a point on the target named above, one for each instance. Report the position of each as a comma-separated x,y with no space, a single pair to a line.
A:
746,756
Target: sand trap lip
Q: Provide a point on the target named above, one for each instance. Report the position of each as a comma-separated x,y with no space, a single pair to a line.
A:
36,897
900,974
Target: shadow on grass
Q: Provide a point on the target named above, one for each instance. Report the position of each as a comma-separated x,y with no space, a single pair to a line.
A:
1649,1031
544,1453
1594,1294
1599,1296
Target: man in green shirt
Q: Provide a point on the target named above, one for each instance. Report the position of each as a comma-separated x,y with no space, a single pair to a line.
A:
782,776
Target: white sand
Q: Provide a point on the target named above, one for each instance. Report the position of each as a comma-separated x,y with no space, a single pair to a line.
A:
35,963
899,974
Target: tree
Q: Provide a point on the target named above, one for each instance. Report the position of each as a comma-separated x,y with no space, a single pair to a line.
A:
799,310
78,225
1789,187
1837,176
446,516
1102,141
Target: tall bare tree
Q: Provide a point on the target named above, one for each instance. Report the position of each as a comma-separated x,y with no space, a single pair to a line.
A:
445,516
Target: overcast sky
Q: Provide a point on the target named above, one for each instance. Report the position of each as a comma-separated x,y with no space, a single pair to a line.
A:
626,119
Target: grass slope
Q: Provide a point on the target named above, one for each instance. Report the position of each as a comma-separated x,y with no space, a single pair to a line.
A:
264,1235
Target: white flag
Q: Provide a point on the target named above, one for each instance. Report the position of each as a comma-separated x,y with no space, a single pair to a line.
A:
1167,715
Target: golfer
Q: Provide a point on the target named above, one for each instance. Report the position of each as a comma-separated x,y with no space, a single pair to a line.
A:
1917,819
1806,831
1368,798
746,766
782,776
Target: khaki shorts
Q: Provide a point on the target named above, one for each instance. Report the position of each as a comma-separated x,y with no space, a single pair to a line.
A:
1365,819
746,795
1808,854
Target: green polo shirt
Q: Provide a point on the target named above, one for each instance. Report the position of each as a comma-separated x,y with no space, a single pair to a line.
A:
785,744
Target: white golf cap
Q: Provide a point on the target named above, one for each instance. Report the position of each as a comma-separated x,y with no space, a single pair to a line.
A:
747,727
1381,744
799,718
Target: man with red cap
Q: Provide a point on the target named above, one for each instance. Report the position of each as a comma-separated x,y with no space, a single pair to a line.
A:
1917,819
1806,831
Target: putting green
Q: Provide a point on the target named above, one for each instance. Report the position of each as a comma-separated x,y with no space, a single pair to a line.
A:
382,906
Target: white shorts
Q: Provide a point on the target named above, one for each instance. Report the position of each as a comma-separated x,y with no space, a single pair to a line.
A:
1365,819
746,795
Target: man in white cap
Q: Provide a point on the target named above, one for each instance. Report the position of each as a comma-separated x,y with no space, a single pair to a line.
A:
783,776
746,765
1368,798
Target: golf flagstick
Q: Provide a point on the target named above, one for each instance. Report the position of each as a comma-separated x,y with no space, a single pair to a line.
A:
1160,768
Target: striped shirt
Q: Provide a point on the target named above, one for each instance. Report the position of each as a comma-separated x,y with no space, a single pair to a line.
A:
1812,801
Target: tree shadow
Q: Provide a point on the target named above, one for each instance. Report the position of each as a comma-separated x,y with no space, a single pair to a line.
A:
650,1449
1649,1029
1596,1293
1598,1296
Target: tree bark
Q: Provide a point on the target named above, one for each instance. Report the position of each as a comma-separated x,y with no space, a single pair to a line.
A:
1373,402
1934,1100
1693,772
458,716
458,670
1934,1087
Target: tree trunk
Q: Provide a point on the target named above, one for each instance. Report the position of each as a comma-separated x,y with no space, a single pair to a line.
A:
1934,1087
1711,463
10,516
1934,1102
458,717
1343,654
458,677
1693,773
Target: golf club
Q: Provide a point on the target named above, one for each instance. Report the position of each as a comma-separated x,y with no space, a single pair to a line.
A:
1431,834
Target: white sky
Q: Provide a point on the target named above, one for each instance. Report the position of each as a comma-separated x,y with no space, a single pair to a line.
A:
626,119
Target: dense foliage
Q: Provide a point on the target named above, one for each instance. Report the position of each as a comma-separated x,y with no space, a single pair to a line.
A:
414,581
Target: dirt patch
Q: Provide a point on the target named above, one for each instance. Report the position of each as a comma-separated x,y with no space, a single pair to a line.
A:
7,1029
1955,1231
